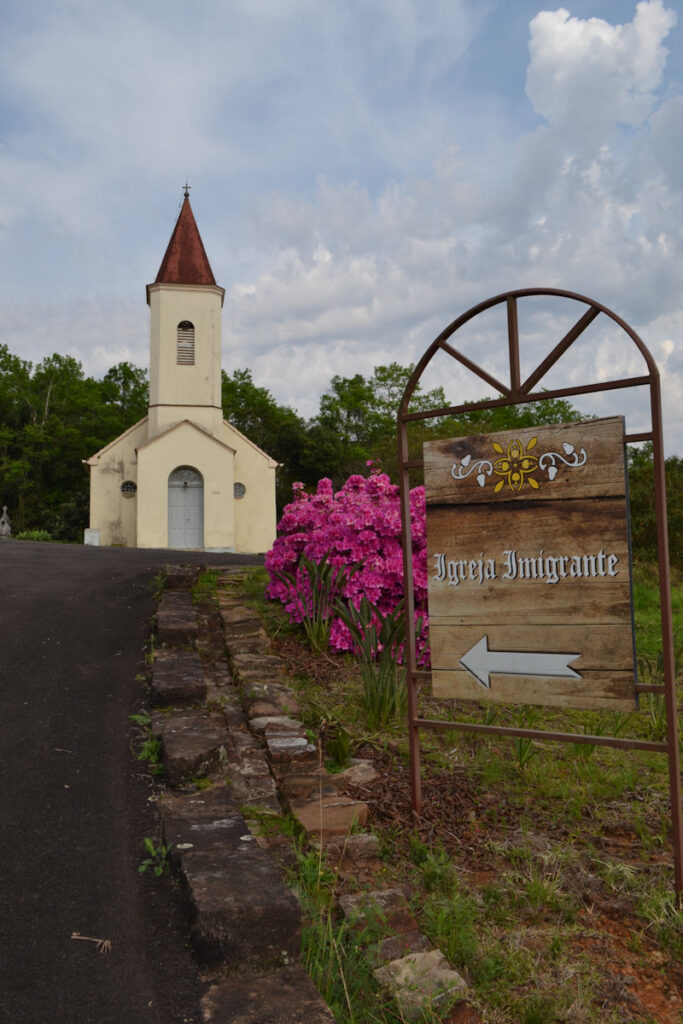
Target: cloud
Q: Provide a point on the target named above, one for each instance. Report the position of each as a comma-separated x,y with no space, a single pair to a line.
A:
588,75
353,194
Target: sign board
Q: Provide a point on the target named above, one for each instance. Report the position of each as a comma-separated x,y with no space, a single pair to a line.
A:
529,566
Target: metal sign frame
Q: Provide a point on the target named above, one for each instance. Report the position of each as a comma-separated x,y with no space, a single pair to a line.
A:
519,392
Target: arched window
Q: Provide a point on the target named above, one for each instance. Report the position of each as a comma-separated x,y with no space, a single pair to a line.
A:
185,343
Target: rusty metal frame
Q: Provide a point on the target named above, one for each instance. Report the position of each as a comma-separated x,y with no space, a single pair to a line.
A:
515,393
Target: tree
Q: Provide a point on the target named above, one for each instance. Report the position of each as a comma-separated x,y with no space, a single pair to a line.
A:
276,429
642,503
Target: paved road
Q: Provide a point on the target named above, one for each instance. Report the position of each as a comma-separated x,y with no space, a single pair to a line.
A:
73,802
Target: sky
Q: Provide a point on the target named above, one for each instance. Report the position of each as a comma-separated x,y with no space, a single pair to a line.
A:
362,172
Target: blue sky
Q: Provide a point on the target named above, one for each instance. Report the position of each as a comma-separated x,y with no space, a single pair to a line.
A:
362,173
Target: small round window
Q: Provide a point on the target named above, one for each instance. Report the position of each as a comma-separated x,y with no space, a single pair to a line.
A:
239,490
128,488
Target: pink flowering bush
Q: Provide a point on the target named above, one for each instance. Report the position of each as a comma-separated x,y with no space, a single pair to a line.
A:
359,525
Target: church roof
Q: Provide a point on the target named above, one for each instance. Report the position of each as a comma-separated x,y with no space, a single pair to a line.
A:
185,261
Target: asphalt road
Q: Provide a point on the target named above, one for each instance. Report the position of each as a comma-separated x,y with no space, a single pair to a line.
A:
74,802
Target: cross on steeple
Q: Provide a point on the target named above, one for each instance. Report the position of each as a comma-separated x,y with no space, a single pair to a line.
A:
186,189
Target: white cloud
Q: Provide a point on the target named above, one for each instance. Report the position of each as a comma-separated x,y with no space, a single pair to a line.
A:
587,75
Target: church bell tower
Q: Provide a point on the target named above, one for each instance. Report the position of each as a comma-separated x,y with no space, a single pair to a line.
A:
185,334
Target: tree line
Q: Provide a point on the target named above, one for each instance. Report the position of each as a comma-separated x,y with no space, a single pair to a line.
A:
53,417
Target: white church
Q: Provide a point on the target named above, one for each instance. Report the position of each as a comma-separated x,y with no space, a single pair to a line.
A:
183,477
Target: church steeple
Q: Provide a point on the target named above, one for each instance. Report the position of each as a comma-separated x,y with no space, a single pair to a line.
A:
185,334
185,260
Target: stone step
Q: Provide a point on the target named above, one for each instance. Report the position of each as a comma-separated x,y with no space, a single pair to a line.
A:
419,982
287,996
259,667
192,743
262,698
177,679
329,817
201,821
180,577
242,912
176,620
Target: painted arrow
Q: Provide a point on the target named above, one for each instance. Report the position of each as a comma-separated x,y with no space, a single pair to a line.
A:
481,662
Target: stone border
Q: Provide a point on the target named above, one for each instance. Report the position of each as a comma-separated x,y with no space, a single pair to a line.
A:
234,720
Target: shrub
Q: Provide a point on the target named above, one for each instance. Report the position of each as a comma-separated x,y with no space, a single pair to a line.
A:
359,525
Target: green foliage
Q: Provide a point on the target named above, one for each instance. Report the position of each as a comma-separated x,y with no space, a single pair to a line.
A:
157,859
377,638
52,417
316,586
33,535
205,588
642,501
337,747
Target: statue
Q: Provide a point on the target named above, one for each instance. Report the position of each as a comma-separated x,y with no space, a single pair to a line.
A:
5,525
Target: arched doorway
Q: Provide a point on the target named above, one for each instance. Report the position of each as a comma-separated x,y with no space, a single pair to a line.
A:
185,508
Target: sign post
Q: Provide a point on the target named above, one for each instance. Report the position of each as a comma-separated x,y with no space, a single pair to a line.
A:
529,554
529,568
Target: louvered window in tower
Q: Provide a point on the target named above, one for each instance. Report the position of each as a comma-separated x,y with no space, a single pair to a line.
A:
185,343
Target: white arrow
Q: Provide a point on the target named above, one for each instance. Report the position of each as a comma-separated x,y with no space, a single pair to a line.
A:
481,662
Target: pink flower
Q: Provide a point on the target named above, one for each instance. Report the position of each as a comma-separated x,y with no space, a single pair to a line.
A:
358,525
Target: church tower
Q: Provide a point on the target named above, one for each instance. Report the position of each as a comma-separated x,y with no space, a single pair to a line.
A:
185,333
183,477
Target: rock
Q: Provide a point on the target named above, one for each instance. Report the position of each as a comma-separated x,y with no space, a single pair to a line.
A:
397,946
243,913
389,905
176,619
285,997
291,749
180,577
256,666
249,645
192,741
205,820
329,817
276,723
420,981
178,679
261,699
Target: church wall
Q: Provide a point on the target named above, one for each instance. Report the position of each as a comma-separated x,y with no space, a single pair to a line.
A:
114,515
255,513
185,446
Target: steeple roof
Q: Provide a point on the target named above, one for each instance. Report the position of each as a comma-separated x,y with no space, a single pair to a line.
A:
185,261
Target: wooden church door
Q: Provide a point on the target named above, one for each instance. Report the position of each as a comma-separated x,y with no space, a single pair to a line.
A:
185,509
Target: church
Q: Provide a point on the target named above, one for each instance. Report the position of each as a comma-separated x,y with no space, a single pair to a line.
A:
183,477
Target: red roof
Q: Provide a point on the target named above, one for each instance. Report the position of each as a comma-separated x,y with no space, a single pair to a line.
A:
185,261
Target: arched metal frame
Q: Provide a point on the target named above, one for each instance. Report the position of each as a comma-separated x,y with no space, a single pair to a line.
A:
515,393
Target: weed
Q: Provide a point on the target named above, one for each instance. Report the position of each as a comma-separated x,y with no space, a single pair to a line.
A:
523,746
205,587
42,535
661,909
157,859
377,639
337,747
143,718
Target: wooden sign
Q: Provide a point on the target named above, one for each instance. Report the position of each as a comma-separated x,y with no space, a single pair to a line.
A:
529,566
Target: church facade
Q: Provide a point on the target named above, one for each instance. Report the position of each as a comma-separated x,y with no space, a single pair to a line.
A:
183,477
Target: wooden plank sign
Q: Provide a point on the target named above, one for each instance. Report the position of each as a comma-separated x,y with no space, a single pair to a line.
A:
529,566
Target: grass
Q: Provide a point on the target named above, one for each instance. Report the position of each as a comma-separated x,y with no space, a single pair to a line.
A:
560,842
